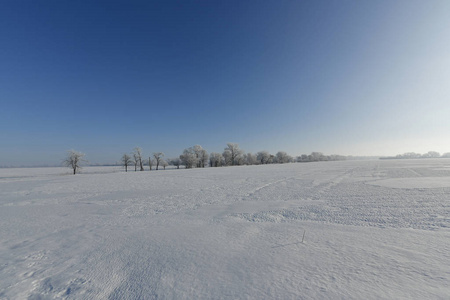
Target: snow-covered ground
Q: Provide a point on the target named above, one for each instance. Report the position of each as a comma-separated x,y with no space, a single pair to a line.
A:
373,229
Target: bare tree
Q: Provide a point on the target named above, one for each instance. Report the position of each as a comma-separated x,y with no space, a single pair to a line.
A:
138,156
73,160
150,162
126,161
158,157
135,161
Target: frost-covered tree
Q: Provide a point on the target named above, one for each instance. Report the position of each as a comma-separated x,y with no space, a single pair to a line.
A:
334,157
215,159
164,163
223,161
233,154
431,154
175,162
446,155
135,161
227,160
203,158
409,155
138,156
317,156
189,158
126,161
263,157
158,158
302,158
283,157
74,160
250,159
201,155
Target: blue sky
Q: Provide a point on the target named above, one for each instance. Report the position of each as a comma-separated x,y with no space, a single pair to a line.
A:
340,77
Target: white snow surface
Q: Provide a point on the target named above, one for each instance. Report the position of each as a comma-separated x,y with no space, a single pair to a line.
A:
372,230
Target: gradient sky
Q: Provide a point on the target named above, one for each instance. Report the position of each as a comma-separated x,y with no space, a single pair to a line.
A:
340,77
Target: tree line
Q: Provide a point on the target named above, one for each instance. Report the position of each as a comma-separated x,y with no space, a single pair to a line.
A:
413,155
197,157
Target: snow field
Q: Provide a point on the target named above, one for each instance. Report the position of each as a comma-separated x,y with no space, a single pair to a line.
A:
374,229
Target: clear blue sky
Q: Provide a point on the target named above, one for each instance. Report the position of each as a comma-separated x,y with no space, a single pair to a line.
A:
340,77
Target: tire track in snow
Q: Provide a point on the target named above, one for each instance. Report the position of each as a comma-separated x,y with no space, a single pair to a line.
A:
269,184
